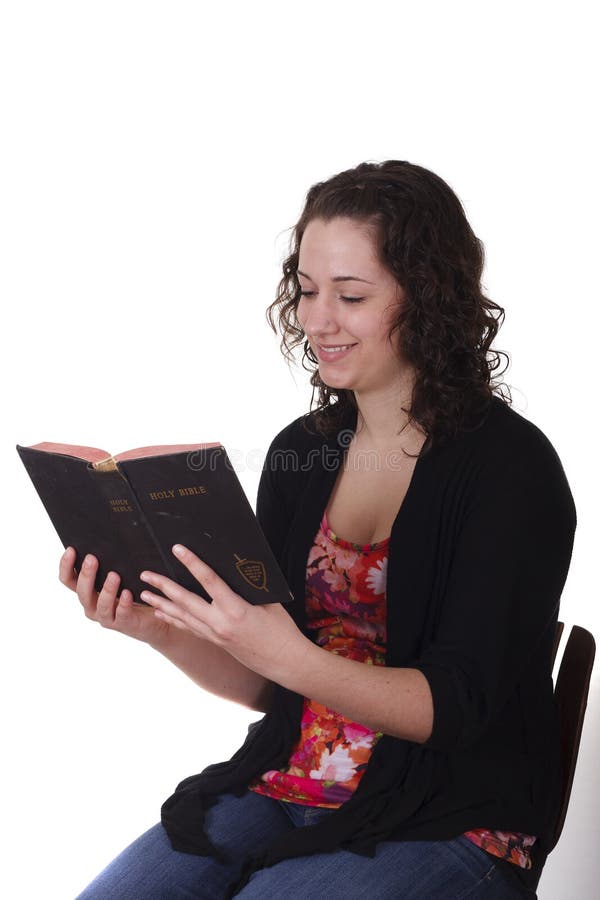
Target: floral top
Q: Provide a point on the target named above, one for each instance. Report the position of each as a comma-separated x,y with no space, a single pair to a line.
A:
346,609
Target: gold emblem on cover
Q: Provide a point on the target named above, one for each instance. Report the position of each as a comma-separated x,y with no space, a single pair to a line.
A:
253,571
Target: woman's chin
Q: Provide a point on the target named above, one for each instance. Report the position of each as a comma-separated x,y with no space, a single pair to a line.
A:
337,382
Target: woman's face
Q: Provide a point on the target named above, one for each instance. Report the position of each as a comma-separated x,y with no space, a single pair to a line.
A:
338,261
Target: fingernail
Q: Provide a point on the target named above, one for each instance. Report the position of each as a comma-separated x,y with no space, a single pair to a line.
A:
178,550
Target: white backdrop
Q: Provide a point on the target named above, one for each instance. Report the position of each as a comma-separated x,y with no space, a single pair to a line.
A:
153,156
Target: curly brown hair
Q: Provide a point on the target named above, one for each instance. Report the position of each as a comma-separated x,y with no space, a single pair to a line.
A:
445,324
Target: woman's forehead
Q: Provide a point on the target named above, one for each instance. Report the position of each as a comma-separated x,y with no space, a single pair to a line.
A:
342,247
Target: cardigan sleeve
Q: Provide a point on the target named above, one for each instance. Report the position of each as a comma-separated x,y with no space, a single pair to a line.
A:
510,563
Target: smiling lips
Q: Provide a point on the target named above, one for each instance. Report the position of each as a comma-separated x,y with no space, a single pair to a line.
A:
337,351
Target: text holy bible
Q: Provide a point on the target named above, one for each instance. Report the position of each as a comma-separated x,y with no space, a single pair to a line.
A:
128,510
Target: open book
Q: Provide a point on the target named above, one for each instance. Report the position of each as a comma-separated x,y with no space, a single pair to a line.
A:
128,510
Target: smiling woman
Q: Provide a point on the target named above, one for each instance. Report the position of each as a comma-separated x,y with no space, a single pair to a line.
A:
409,746
403,232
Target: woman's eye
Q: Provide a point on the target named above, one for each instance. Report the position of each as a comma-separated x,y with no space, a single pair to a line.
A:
347,299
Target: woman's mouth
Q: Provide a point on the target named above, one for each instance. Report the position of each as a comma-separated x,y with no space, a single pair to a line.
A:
334,352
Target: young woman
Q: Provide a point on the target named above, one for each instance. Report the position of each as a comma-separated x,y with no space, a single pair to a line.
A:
409,747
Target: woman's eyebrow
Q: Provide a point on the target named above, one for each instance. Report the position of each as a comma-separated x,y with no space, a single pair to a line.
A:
339,277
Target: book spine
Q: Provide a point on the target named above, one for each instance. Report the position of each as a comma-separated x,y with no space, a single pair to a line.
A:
131,545
161,551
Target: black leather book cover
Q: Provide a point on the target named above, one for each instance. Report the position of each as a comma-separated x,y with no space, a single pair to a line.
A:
129,513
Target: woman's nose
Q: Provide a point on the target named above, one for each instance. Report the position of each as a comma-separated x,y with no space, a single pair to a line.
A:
318,316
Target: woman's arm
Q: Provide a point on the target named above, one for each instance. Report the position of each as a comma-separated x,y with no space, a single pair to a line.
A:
215,670
209,666
391,700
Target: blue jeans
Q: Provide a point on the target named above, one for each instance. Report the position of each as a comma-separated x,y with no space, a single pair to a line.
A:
149,869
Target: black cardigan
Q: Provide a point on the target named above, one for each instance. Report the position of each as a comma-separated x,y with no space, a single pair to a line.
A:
478,557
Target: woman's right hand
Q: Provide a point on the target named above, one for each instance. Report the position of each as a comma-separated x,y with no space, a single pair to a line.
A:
117,613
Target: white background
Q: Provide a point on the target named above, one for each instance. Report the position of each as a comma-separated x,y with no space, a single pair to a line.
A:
154,156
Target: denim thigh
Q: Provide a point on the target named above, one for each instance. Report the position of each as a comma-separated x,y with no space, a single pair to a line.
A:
149,868
400,870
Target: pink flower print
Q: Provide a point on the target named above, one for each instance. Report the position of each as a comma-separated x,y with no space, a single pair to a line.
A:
377,576
303,758
505,837
345,559
321,539
336,766
358,591
337,603
317,555
270,775
308,714
361,630
357,735
324,563
335,580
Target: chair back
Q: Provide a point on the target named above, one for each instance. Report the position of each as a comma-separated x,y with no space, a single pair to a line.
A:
571,694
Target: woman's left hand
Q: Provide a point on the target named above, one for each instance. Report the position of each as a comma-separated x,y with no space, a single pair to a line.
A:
264,638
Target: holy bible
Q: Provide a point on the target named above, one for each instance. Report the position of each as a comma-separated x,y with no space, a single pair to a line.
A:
128,510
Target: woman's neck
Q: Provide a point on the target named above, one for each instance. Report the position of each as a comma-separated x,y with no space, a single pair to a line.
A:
382,418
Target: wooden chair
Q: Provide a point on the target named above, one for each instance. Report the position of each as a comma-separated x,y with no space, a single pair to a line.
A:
571,694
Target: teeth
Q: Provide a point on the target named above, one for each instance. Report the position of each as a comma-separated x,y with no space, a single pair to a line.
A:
335,349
